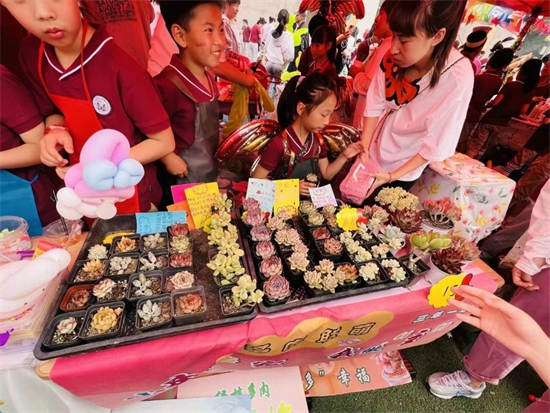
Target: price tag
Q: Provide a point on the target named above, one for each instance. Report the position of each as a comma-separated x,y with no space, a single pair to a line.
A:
287,195
262,191
322,196
347,219
201,199
442,291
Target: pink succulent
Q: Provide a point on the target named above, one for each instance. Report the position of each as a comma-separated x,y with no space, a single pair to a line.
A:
271,266
277,288
265,249
442,211
181,260
333,246
254,218
321,233
179,229
260,233
251,204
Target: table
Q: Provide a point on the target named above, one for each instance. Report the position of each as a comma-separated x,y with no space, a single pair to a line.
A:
482,194
383,321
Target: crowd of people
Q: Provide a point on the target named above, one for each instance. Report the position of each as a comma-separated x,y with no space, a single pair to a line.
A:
150,71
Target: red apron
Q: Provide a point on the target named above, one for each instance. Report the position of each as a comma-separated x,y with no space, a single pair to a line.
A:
81,120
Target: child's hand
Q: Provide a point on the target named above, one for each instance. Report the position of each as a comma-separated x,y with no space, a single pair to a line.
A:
304,187
61,172
353,150
176,166
51,144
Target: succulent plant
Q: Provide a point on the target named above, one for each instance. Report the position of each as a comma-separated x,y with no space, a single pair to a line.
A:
315,219
189,304
230,248
66,326
376,216
397,199
346,273
182,280
393,236
353,246
223,203
152,262
226,267
442,212
332,222
98,252
181,260
143,286
364,232
424,242
105,319
260,233
94,268
154,242
394,270
221,219
251,204
80,298
103,288
276,223
245,292
253,218
271,266
126,244
325,267
179,229
346,237
121,265
287,237
265,249
312,178
328,210
150,311
469,249
180,244
369,271
449,260
314,280
380,251
332,246
330,282
300,248
307,207
320,233
284,214
362,255
277,288
409,220
220,235
298,262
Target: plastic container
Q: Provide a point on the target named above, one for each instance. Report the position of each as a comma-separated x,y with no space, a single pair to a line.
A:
324,256
162,253
151,274
181,320
227,291
383,277
270,303
92,311
352,285
55,232
76,270
133,255
253,246
116,240
79,316
116,279
69,294
217,279
142,247
312,230
16,240
160,298
166,274
420,265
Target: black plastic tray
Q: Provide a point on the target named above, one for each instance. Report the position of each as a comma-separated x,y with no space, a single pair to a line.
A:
130,335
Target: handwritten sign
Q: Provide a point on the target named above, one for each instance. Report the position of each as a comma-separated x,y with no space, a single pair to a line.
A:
183,206
347,219
178,192
201,198
287,195
442,291
262,191
322,196
152,222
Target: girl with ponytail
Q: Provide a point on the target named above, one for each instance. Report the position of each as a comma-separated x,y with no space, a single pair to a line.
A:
279,46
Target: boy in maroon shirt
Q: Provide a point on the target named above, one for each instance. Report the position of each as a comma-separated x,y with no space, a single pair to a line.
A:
83,83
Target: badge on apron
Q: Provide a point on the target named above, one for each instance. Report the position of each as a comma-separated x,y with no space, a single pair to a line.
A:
102,105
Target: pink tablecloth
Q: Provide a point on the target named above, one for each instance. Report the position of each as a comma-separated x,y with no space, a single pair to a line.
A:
383,321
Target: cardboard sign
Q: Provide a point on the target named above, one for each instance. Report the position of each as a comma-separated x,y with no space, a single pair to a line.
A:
347,219
183,206
287,195
442,291
152,222
322,196
201,199
262,191
178,191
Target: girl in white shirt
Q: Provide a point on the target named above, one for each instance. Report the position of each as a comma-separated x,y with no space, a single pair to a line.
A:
418,100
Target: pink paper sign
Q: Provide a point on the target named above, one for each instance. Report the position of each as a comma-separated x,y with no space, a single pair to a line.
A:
178,191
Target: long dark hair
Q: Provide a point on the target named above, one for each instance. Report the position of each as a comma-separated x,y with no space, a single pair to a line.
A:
325,35
283,18
312,91
429,16
529,74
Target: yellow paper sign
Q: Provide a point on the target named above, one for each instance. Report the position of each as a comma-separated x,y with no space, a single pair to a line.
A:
442,291
347,219
287,195
201,199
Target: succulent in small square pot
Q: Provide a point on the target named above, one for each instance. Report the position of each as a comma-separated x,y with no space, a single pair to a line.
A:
372,273
380,251
270,267
287,238
88,271
277,223
276,290
180,260
154,242
252,218
260,233
153,261
347,276
180,244
125,244
179,279
320,233
111,289
332,223
251,204
189,306
330,248
178,229
315,219
144,285
77,298
298,262
64,329
123,264
264,249
328,210
103,321
241,298
153,312
307,207
98,252
395,270
415,265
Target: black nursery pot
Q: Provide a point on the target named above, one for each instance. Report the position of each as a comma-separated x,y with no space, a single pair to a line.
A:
116,241
159,299
142,247
134,255
224,291
181,320
313,292
152,274
160,253
351,285
116,279
92,311
382,275
78,266
80,316
420,265
166,274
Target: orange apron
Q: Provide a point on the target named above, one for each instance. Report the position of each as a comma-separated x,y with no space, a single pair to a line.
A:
81,120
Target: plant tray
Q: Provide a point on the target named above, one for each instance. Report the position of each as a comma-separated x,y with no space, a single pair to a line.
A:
130,334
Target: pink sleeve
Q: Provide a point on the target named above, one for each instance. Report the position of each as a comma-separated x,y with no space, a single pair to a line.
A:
361,83
376,97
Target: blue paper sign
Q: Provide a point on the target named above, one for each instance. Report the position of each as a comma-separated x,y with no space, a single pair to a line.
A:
153,222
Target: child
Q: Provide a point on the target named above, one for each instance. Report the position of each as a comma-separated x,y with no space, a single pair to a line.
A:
25,190
423,89
189,91
304,110
83,83
323,51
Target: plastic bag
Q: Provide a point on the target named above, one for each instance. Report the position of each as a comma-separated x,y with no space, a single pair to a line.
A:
357,183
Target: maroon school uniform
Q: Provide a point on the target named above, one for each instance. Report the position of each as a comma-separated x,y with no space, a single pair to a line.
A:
19,114
486,85
514,98
272,155
123,94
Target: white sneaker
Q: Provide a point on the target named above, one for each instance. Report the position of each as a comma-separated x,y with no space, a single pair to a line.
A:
447,386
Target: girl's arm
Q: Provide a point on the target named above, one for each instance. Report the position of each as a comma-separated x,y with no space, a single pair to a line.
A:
261,173
156,147
231,74
24,155
369,126
329,170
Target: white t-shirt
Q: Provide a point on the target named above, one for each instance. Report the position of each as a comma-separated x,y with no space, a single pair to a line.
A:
429,125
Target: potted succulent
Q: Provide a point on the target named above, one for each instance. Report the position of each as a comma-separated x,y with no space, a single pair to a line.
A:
312,179
226,268
331,248
110,289
180,260
356,251
125,244
270,267
376,216
64,330
260,233
394,269
87,271
307,207
364,233
241,298
177,280
180,244
276,290
320,233
393,236
298,263
450,261
77,298
300,248
153,313
380,251
251,204
469,249
315,219
277,223
153,242
152,261
189,306
396,199
123,264
328,211
332,223
372,273
251,218
103,321
287,238
98,252
144,285
318,283
440,215
408,220
264,249
178,229
347,276
422,244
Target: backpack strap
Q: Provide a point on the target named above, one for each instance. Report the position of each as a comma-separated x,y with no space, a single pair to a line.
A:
289,156
170,74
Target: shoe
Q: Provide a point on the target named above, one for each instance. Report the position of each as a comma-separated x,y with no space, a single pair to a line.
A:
446,386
